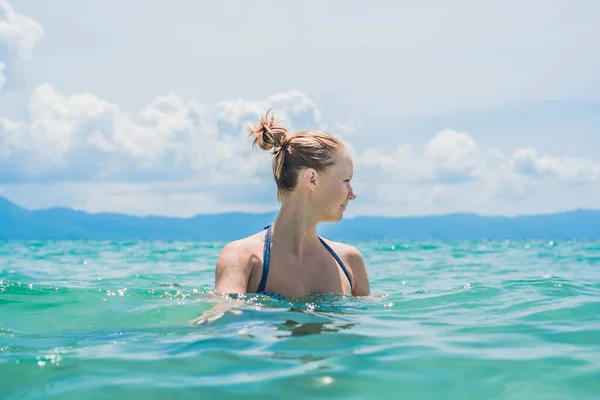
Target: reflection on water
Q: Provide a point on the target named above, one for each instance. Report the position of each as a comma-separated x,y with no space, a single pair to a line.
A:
240,303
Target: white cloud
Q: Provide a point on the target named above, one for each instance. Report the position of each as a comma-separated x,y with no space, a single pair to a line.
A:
400,165
20,32
19,35
448,157
153,198
200,157
569,169
511,195
295,110
452,156
453,173
79,137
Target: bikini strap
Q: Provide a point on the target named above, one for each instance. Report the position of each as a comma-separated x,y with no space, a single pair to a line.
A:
266,260
337,258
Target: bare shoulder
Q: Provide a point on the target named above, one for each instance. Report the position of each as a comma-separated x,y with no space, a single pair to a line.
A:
233,252
353,259
343,250
235,264
240,250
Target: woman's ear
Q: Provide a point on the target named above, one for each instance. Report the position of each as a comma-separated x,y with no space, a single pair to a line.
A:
310,178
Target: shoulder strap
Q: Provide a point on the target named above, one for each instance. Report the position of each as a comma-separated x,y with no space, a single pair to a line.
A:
333,253
266,260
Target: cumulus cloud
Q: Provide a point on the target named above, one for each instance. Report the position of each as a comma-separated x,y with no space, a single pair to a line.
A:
19,34
452,156
201,155
453,172
528,163
397,165
79,137
449,157
295,110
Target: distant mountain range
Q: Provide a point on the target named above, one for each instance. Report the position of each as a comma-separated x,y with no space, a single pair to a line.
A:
64,223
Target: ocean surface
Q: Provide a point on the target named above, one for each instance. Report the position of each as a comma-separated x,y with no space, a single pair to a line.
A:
446,320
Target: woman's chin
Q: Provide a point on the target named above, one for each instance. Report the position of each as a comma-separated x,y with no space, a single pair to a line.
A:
335,216
338,217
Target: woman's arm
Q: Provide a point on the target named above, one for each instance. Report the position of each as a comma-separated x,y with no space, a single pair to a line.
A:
231,277
233,270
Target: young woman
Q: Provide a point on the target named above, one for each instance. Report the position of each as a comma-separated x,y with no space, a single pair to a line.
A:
312,171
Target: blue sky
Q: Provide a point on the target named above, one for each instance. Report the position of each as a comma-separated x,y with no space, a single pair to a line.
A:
140,106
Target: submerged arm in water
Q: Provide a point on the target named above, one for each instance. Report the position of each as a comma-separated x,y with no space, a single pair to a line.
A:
224,303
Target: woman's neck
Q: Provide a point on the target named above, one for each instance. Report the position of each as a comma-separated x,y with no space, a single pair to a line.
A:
295,228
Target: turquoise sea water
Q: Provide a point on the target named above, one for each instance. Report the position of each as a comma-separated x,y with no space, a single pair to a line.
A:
447,320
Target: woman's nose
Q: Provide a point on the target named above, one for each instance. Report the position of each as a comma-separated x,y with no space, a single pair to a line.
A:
351,194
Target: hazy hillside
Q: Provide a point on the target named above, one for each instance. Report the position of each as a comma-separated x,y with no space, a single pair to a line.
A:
63,223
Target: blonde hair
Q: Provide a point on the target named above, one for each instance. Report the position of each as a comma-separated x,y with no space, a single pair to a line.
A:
304,149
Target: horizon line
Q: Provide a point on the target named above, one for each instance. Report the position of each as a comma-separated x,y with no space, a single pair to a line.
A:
565,211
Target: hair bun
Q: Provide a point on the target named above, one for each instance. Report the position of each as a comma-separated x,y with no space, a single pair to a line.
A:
269,134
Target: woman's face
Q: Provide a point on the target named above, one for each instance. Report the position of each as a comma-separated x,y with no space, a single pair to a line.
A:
334,190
